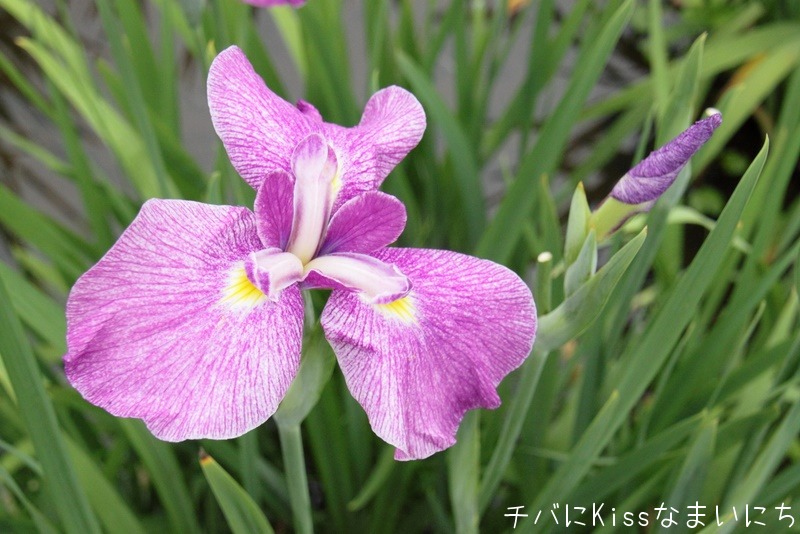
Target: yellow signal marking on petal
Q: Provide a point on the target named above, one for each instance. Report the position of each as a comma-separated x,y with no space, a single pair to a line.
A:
336,184
402,309
240,291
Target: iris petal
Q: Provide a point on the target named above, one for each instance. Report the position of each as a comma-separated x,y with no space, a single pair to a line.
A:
314,166
393,121
274,208
272,270
163,328
419,363
392,124
374,280
365,223
258,128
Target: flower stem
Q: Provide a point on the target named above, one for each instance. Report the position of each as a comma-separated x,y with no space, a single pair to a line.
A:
295,466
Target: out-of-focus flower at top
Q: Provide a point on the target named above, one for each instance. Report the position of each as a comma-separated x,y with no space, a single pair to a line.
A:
515,6
641,186
272,3
193,320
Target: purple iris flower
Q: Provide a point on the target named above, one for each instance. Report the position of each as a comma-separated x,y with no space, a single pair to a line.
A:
648,180
193,320
271,3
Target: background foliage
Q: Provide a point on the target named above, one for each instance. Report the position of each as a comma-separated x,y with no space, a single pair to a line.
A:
672,375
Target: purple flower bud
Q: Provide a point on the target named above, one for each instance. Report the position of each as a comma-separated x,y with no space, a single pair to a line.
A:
648,180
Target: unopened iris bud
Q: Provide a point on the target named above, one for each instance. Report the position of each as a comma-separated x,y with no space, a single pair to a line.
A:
641,186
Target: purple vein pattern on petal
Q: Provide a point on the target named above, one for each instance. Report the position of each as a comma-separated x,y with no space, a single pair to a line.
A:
365,223
273,206
653,175
308,109
152,331
392,124
258,128
393,121
418,364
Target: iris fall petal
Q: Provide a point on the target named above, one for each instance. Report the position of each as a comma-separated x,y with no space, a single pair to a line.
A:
166,327
419,363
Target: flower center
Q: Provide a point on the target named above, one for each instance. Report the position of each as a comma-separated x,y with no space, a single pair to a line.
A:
315,169
268,272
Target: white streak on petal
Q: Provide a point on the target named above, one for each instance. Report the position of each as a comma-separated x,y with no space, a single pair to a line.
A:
377,282
314,167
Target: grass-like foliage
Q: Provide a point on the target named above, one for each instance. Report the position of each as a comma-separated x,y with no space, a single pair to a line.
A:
664,375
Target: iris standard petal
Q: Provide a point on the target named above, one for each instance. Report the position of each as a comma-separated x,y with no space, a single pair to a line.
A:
274,208
393,121
419,363
392,124
308,109
258,128
653,175
167,327
365,223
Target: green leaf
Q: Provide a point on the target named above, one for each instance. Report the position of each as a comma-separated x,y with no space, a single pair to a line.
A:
643,359
315,370
62,246
38,311
512,427
128,65
463,471
377,479
288,24
500,237
43,525
112,510
467,178
721,53
584,266
241,512
166,475
109,125
569,474
765,464
643,458
71,504
579,311
577,225
688,485
759,83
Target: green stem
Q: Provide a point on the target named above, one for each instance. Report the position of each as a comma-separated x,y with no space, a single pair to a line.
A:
295,466
463,465
248,456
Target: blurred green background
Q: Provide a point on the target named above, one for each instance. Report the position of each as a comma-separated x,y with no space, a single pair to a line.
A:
669,376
